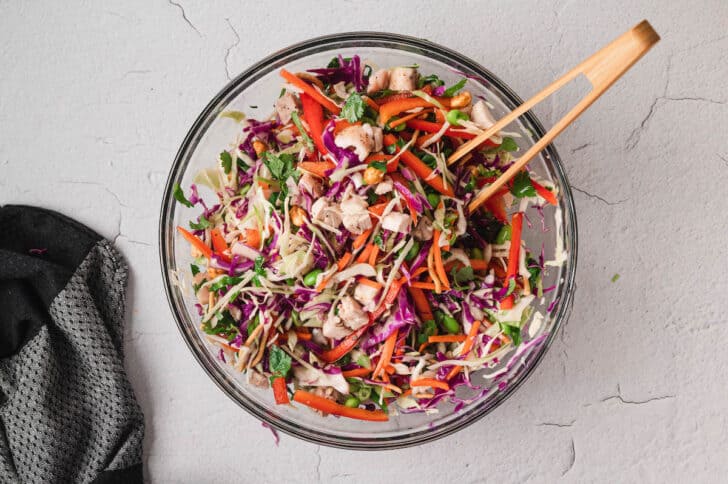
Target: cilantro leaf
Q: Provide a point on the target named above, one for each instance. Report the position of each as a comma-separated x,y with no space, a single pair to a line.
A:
353,108
379,241
379,165
281,166
513,332
227,161
258,267
279,361
452,90
201,224
462,275
372,197
180,196
431,79
195,270
508,144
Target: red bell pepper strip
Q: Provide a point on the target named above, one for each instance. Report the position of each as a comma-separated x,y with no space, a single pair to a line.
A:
544,193
513,255
310,91
328,406
196,243
218,241
280,391
430,127
420,168
313,114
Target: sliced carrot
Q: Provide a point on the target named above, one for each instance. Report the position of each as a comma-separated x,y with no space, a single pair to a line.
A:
389,369
423,285
418,271
364,255
356,372
404,119
378,209
447,338
318,168
303,335
467,346
478,264
545,193
373,255
429,127
371,103
439,269
420,168
309,90
513,255
197,243
430,382
361,238
392,108
327,406
252,238
280,391
421,303
369,282
386,356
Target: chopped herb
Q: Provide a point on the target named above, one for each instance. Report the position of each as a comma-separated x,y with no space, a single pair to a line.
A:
283,91
241,164
379,241
508,144
195,270
431,79
297,121
363,360
615,277
201,224
511,286
372,197
224,282
353,108
390,149
180,196
462,275
522,186
279,362
227,161
238,116
513,332
429,160
379,165
452,90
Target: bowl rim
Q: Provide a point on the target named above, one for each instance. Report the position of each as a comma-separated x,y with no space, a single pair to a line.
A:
467,416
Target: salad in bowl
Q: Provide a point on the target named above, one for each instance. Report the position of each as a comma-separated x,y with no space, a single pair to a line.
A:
335,260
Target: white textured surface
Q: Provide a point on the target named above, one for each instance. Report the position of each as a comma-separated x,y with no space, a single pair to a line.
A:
95,98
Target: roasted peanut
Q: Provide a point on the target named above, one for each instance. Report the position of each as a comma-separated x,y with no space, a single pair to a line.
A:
298,215
461,100
372,175
259,147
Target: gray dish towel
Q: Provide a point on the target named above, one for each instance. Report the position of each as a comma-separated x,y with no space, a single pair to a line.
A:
67,411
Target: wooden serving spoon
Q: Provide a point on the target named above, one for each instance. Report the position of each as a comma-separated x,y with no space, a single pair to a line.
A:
601,69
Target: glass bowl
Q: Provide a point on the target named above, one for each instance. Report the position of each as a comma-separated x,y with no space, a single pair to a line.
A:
259,86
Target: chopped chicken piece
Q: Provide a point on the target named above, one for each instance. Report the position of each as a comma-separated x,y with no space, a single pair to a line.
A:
257,380
363,138
366,296
403,79
396,222
385,186
481,115
311,184
285,105
351,313
423,231
325,212
334,328
355,214
378,81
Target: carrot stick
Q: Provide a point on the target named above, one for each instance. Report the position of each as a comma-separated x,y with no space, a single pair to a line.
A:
197,243
405,118
386,356
369,282
420,168
389,369
318,168
303,335
392,108
513,255
545,193
280,392
430,382
327,406
423,285
361,239
447,338
364,255
441,274
418,271
371,103
429,127
309,90
421,303
356,372
467,346
373,255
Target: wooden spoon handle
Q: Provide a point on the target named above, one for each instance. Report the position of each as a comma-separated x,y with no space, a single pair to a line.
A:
602,69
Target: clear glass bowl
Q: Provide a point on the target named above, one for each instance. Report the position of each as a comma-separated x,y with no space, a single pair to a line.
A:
259,86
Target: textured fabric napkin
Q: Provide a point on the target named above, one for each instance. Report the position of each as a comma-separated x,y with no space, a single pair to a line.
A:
67,410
